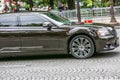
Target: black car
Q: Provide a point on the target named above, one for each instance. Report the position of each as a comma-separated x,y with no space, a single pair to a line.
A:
34,33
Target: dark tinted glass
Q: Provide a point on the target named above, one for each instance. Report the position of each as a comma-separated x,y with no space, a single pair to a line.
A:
31,20
58,18
8,20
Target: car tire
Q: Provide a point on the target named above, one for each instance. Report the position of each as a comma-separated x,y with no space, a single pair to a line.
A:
81,47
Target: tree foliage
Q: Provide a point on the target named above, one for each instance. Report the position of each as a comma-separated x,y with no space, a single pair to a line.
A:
87,3
70,3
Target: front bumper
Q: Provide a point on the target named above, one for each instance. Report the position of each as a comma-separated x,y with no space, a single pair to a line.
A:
105,44
112,44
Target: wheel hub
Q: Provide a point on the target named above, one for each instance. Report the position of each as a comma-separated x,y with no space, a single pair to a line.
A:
81,48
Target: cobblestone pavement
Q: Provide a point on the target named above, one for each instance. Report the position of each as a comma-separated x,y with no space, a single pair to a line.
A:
102,66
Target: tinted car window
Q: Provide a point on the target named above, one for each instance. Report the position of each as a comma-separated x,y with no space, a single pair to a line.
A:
58,18
8,20
31,20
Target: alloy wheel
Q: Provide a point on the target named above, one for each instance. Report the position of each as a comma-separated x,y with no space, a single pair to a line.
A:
82,46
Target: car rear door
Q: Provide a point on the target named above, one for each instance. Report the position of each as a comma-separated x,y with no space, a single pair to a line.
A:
36,38
9,35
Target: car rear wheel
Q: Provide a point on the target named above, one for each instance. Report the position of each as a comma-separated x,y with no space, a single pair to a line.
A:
81,46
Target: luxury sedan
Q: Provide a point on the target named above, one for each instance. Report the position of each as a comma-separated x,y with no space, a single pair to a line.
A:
34,33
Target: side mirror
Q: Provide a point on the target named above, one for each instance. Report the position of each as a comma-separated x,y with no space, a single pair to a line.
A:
47,25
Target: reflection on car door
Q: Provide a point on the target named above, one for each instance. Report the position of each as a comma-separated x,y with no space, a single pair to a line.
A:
35,37
9,36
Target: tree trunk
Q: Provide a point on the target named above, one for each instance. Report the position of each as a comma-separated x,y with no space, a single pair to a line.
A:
30,2
78,11
51,3
71,4
113,19
11,8
116,3
17,6
43,1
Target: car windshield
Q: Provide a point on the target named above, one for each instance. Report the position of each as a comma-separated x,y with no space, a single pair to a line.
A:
58,18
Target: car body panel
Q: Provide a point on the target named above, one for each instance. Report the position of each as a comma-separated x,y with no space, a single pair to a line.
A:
32,39
9,40
39,39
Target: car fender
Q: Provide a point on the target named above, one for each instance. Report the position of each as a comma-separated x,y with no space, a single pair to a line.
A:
82,31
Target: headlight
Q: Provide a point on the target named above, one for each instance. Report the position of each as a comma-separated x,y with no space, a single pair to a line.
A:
103,32
110,28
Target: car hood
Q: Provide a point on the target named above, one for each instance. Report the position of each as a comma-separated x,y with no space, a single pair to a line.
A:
94,26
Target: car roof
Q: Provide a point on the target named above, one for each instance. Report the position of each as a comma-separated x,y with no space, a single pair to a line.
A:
22,13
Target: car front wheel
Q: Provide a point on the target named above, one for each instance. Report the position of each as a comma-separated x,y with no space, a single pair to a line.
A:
81,46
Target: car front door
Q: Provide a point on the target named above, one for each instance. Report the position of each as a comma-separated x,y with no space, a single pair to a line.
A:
9,35
35,37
